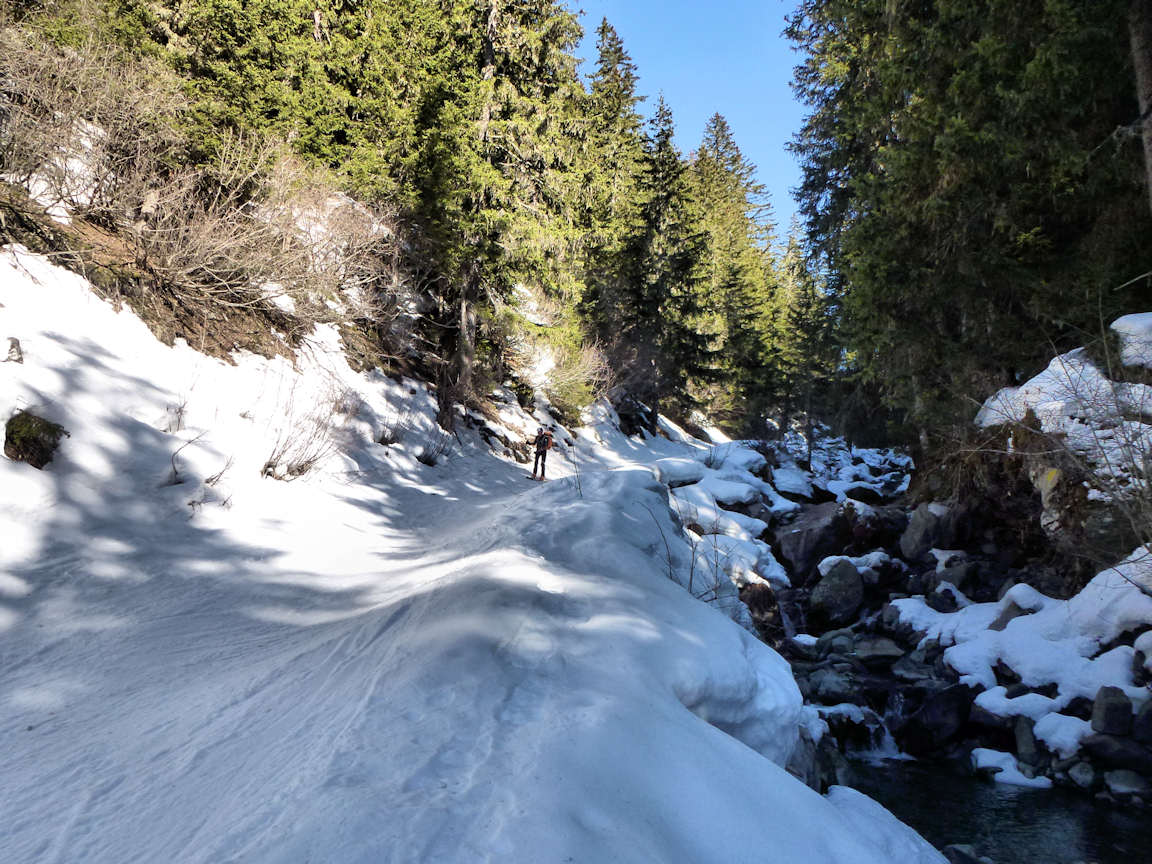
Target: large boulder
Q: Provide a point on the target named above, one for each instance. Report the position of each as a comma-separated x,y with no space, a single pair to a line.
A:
928,528
1027,751
1112,712
937,721
838,594
1123,783
1114,752
1142,725
877,651
875,527
830,687
1083,775
819,532
635,416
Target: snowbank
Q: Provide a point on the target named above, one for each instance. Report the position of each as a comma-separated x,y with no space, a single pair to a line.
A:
383,660
1049,641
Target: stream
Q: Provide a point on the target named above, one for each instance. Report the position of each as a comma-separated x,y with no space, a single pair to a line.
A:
1008,824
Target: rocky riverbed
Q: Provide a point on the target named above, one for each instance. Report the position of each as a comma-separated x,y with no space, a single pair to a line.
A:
928,628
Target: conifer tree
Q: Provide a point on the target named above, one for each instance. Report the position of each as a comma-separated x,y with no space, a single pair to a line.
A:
736,216
805,334
964,186
663,348
615,160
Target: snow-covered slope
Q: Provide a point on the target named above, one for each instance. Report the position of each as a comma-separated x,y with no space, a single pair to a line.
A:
380,661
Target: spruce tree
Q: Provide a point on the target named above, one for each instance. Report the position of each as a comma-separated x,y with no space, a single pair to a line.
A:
736,216
964,186
662,346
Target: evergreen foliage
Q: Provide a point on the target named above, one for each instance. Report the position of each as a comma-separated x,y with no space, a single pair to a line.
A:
963,186
468,119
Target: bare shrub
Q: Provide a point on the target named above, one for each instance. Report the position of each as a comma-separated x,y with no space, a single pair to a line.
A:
1087,445
100,135
304,440
393,428
435,449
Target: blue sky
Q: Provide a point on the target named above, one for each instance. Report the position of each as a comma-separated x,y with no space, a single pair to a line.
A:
724,55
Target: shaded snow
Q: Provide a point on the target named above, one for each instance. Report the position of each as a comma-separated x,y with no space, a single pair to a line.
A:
1005,769
1135,339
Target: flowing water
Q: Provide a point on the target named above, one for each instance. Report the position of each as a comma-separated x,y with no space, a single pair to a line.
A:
1009,824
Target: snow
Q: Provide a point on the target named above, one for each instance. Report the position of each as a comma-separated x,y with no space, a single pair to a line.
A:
1143,644
792,481
868,566
866,818
1135,339
382,660
727,491
1088,415
1062,733
1051,642
678,472
1005,768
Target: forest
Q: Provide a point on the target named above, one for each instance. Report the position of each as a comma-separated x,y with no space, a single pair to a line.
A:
973,193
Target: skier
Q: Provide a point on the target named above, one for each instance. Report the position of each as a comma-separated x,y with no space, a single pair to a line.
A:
543,443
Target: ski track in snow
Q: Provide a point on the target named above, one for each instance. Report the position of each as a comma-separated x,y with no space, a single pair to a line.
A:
382,661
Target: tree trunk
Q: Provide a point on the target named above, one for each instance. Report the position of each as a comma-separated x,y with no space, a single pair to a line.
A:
1140,32
488,70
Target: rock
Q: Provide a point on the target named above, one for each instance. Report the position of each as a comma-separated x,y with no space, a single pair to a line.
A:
1124,782
865,494
1083,775
31,439
912,671
1078,706
15,355
839,593
925,530
1142,725
937,721
831,765
635,416
1010,612
963,575
765,611
830,687
1005,674
1015,691
889,617
855,731
1026,749
941,601
876,528
962,853
802,764
819,532
1140,676
1074,520
983,717
1112,712
875,651
1112,751
835,642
